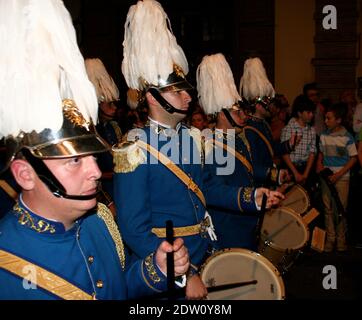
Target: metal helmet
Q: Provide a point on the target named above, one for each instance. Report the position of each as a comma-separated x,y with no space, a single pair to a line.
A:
216,87
255,86
152,59
48,106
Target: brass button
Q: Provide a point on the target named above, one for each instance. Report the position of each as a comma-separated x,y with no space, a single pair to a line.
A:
90,259
99,284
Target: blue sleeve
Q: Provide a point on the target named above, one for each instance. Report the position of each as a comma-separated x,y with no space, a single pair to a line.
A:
144,278
219,194
134,215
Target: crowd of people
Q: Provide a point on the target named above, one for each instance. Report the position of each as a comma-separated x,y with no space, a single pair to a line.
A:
88,183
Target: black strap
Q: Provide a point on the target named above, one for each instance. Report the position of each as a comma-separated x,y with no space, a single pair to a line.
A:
230,119
164,103
53,184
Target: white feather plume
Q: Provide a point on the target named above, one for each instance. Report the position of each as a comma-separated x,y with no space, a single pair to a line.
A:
150,50
40,65
254,83
215,84
105,87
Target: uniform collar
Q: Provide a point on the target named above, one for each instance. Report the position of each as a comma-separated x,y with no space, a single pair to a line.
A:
31,220
229,134
256,118
165,129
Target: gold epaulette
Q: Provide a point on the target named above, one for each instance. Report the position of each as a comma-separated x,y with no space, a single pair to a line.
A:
106,215
127,156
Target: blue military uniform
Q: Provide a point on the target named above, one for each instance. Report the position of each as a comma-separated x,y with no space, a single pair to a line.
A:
234,229
147,193
85,256
262,149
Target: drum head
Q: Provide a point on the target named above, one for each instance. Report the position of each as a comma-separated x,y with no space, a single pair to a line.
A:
284,229
297,199
240,265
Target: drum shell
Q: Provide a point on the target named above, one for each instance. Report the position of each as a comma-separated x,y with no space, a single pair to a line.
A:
283,235
297,199
239,265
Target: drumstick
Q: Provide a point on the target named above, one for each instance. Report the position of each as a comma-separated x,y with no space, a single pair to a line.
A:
170,261
231,286
180,293
261,217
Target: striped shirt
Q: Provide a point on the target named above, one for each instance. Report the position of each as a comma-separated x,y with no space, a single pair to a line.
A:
306,146
337,148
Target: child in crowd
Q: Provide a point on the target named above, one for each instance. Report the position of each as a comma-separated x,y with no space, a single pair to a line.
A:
338,154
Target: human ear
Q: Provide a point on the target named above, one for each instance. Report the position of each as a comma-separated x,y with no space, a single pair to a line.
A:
150,98
24,174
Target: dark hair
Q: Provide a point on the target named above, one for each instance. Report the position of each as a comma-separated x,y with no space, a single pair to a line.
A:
309,86
302,103
339,110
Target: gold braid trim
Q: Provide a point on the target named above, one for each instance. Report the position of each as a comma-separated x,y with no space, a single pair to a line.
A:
151,269
44,278
236,155
274,174
200,228
25,219
117,130
8,189
106,215
247,194
127,157
262,136
239,202
246,142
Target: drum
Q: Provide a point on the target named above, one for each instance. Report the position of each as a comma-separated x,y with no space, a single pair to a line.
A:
296,198
283,234
240,265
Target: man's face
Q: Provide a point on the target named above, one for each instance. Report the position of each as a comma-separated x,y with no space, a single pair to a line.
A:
178,99
78,176
239,117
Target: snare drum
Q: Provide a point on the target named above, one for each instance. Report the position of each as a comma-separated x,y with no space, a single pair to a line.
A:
296,198
240,265
283,235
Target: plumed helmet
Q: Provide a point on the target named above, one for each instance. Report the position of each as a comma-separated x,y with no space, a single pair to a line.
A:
151,56
215,84
255,86
47,104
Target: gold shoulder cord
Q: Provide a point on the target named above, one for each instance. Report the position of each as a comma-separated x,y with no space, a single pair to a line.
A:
117,130
236,154
262,137
106,215
186,180
44,278
8,189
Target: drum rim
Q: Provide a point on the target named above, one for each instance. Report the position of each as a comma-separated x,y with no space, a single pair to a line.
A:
299,218
269,264
304,191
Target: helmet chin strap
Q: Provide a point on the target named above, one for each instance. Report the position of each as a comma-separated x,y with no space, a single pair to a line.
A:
53,184
164,103
230,119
